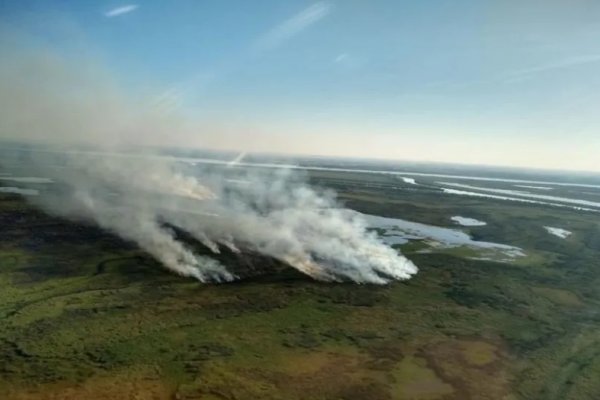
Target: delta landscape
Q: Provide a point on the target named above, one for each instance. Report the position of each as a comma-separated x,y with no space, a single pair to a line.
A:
299,200
504,305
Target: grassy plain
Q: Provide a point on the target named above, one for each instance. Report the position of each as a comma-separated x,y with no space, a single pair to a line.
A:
85,315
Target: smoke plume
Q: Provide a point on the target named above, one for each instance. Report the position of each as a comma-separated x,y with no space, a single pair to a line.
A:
146,197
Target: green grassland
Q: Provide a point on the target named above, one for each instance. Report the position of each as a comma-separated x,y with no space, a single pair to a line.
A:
86,316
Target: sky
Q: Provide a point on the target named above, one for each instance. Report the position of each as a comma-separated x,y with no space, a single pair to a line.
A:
468,81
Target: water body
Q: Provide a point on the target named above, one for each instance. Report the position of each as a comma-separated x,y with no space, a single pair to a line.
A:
396,229
387,172
519,199
517,193
558,232
465,221
26,179
533,187
17,190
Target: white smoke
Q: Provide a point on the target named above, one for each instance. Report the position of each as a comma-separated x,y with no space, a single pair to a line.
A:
147,198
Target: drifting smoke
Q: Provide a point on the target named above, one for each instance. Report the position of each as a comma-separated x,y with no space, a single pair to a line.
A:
147,198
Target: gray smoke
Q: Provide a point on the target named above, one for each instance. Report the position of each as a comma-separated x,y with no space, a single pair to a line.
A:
144,196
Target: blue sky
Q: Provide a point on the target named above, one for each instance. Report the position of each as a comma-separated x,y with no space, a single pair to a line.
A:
491,82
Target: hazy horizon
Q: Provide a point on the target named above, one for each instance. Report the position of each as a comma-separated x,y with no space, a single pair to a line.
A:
294,159
506,85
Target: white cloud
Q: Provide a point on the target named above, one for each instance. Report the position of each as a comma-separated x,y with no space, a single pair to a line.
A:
340,57
124,9
563,64
293,26
174,97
